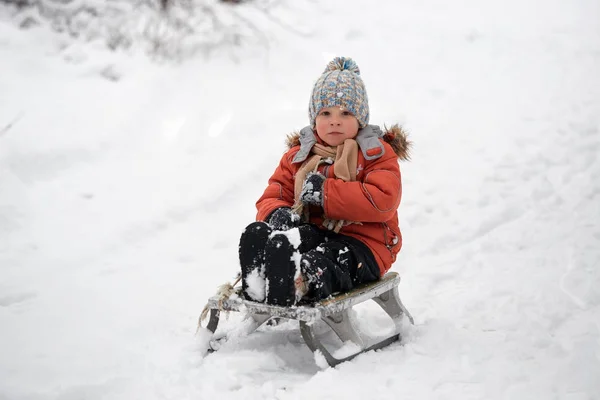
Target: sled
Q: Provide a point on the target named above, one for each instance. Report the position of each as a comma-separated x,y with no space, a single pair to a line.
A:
333,311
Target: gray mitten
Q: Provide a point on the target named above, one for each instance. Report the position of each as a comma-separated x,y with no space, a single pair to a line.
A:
312,189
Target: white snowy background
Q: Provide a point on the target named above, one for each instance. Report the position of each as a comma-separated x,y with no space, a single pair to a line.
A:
125,183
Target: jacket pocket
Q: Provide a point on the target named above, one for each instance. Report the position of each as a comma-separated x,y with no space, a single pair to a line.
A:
273,191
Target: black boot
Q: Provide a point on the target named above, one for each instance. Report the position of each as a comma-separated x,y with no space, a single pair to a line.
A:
252,259
327,270
280,270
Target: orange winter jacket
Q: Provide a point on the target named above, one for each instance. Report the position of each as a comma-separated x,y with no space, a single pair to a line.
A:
372,199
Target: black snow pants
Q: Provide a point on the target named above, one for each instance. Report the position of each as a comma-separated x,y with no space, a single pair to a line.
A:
329,262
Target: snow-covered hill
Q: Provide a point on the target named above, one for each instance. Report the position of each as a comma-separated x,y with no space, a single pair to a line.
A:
124,186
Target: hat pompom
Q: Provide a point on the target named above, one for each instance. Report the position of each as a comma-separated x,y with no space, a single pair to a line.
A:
340,85
342,64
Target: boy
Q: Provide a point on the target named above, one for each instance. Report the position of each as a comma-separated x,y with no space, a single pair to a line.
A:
328,219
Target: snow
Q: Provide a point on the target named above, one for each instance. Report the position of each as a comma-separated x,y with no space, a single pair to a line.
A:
320,360
125,184
293,236
347,349
256,285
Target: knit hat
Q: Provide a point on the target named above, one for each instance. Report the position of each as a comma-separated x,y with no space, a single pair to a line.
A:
340,85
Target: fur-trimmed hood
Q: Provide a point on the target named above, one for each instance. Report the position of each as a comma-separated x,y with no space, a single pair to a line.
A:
395,136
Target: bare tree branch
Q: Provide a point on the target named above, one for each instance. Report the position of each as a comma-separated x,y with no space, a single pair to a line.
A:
6,128
266,11
165,29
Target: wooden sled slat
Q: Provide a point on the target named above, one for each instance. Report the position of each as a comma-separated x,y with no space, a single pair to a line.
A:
311,313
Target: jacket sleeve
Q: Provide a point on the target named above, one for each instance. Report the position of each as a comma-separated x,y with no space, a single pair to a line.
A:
280,190
373,199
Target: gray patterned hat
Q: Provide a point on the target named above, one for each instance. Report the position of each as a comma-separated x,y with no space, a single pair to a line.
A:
340,85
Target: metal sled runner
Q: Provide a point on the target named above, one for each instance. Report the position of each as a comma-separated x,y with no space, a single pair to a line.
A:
334,312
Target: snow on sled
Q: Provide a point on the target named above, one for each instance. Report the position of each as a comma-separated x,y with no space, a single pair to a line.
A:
333,311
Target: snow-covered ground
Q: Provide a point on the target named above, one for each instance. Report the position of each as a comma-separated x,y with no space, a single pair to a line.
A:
124,186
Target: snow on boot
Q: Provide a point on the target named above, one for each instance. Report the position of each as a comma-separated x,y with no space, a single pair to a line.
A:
280,271
252,260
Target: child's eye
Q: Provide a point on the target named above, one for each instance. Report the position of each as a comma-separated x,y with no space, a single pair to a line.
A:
325,113
347,113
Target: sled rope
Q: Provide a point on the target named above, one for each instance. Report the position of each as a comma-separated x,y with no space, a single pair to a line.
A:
223,292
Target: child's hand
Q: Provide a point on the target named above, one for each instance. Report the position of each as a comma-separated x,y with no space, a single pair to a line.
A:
283,219
312,189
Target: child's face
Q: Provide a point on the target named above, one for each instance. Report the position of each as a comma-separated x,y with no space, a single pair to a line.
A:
336,124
